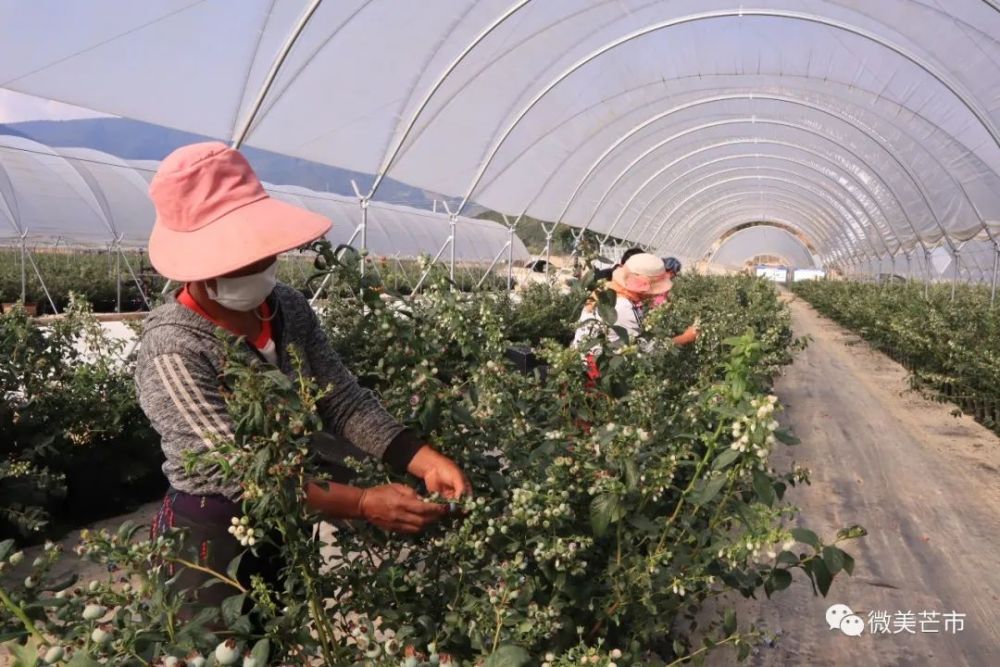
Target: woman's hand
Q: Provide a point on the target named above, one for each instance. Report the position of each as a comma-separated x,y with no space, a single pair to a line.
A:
398,508
690,335
440,474
394,507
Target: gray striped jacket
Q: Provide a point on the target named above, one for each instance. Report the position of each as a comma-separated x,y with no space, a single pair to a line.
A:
177,375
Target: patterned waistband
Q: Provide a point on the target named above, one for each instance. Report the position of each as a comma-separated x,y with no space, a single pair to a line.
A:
216,510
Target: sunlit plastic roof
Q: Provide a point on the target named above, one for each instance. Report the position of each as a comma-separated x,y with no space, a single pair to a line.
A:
871,127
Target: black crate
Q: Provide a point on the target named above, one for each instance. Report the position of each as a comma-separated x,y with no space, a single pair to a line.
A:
525,361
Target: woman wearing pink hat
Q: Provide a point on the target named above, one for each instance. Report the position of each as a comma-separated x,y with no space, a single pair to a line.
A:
637,283
219,233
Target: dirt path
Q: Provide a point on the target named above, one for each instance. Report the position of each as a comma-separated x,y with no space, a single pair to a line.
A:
925,484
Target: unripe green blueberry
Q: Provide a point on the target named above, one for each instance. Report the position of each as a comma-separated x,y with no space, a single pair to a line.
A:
226,653
100,635
53,655
92,612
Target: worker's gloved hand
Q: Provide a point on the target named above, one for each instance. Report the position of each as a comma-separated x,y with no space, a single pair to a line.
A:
398,508
440,474
689,336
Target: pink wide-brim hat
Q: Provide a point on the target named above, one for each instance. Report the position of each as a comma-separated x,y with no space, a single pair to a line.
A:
643,274
213,216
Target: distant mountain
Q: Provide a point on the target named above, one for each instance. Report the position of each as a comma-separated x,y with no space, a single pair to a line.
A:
7,129
135,140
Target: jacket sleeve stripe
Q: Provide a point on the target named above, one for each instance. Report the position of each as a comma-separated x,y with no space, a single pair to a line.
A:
221,425
181,406
196,419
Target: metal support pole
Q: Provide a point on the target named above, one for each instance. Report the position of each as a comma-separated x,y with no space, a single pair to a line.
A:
363,201
954,281
575,253
577,236
272,74
927,270
548,247
492,264
364,235
510,250
41,281
118,280
135,279
453,224
996,260
24,274
434,260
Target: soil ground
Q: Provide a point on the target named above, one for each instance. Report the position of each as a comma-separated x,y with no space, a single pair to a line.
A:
924,483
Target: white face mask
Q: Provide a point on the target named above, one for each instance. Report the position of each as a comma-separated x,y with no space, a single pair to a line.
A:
246,292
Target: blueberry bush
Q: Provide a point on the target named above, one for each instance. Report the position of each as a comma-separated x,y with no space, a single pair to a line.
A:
74,444
605,512
950,347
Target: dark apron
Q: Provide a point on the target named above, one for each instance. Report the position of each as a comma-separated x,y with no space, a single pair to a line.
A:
206,520
208,543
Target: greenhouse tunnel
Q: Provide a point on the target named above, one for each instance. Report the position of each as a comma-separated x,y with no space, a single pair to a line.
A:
872,129
782,448
87,199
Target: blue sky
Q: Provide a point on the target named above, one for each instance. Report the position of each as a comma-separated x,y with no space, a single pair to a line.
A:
16,107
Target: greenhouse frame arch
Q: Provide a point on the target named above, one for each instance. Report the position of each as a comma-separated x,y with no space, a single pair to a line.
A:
872,131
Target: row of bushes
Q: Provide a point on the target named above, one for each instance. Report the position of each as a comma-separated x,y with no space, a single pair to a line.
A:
94,277
950,346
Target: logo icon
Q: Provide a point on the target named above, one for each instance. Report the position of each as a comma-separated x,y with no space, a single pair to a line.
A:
840,617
